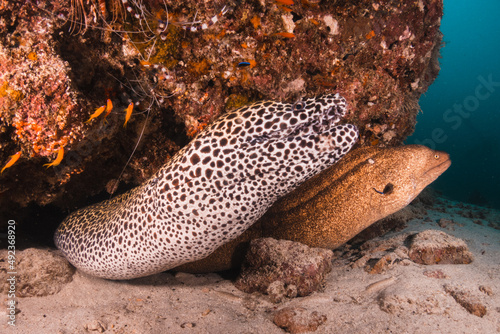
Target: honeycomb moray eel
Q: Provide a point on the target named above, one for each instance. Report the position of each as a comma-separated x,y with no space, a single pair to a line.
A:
211,191
368,184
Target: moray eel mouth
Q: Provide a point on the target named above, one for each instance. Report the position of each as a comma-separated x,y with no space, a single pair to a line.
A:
443,163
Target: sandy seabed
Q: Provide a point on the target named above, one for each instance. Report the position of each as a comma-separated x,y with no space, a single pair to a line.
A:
405,298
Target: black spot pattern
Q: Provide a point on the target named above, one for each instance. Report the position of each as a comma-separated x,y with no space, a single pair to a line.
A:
211,191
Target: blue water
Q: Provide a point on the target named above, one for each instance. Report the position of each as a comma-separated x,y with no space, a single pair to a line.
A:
461,109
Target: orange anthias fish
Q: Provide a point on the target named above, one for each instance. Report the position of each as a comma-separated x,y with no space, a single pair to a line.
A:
128,113
57,161
286,9
96,114
12,161
286,34
146,63
285,2
109,107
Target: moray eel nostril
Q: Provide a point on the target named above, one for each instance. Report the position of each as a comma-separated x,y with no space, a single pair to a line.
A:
211,191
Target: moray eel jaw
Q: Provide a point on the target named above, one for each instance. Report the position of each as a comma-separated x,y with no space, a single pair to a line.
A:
211,191
438,163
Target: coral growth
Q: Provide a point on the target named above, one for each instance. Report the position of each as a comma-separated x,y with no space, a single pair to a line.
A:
61,60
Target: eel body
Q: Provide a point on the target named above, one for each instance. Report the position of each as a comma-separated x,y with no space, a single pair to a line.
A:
211,191
329,209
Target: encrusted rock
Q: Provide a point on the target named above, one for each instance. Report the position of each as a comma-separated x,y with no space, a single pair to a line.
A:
432,247
276,291
298,319
283,268
39,272
468,301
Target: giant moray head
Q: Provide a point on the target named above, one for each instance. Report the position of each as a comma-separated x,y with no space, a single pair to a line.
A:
431,165
399,174
300,138
368,184
275,121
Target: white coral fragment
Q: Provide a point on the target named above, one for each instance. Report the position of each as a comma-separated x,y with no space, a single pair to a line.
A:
332,23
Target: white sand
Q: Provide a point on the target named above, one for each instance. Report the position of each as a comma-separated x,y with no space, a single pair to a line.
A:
184,303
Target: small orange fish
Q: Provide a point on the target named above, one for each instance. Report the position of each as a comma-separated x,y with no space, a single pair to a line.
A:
146,63
286,34
128,113
285,2
285,9
57,161
109,107
96,114
13,159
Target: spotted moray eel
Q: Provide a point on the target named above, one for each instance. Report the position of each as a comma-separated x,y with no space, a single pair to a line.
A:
211,191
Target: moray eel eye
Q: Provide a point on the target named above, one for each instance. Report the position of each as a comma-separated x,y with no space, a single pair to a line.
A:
436,156
299,105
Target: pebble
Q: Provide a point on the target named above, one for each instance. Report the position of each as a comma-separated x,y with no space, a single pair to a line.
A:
188,325
95,326
486,290
435,274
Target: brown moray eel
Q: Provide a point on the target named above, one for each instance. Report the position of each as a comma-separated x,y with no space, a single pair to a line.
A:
368,184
